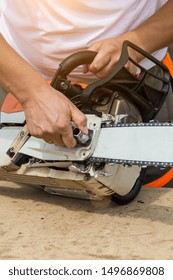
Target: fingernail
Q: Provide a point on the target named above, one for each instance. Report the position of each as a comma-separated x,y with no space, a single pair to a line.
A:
73,144
85,130
85,69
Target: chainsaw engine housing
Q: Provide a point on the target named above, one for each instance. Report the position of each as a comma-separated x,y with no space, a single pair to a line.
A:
119,98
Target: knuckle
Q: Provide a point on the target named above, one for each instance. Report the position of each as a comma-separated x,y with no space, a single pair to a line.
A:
82,120
94,68
83,117
63,128
102,74
36,133
112,48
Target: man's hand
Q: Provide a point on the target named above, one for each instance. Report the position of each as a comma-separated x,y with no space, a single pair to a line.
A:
48,112
49,115
147,36
109,52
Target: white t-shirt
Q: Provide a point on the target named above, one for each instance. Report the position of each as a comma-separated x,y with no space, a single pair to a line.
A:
44,32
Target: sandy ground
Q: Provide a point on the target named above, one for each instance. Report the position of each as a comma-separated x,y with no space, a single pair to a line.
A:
36,225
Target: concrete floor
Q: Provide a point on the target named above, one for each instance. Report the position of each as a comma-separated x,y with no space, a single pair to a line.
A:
37,225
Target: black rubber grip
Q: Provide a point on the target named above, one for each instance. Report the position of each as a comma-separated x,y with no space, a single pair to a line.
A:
74,60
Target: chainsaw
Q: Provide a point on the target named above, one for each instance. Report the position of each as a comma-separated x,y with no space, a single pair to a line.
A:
125,137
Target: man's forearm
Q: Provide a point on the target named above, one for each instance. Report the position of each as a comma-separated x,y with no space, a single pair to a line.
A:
16,75
156,32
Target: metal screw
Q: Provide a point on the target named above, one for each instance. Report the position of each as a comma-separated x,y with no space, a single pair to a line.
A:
64,85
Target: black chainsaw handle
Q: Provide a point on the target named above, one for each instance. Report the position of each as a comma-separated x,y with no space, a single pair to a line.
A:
69,64
60,80
87,56
75,60
120,66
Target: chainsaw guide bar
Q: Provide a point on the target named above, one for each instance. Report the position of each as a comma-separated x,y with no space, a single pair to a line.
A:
136,144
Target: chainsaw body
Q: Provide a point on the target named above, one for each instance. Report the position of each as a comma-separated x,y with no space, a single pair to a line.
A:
119,99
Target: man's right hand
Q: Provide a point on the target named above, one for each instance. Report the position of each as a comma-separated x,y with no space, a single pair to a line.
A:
49,114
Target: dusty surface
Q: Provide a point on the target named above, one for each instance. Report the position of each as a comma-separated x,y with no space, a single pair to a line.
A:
37,225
